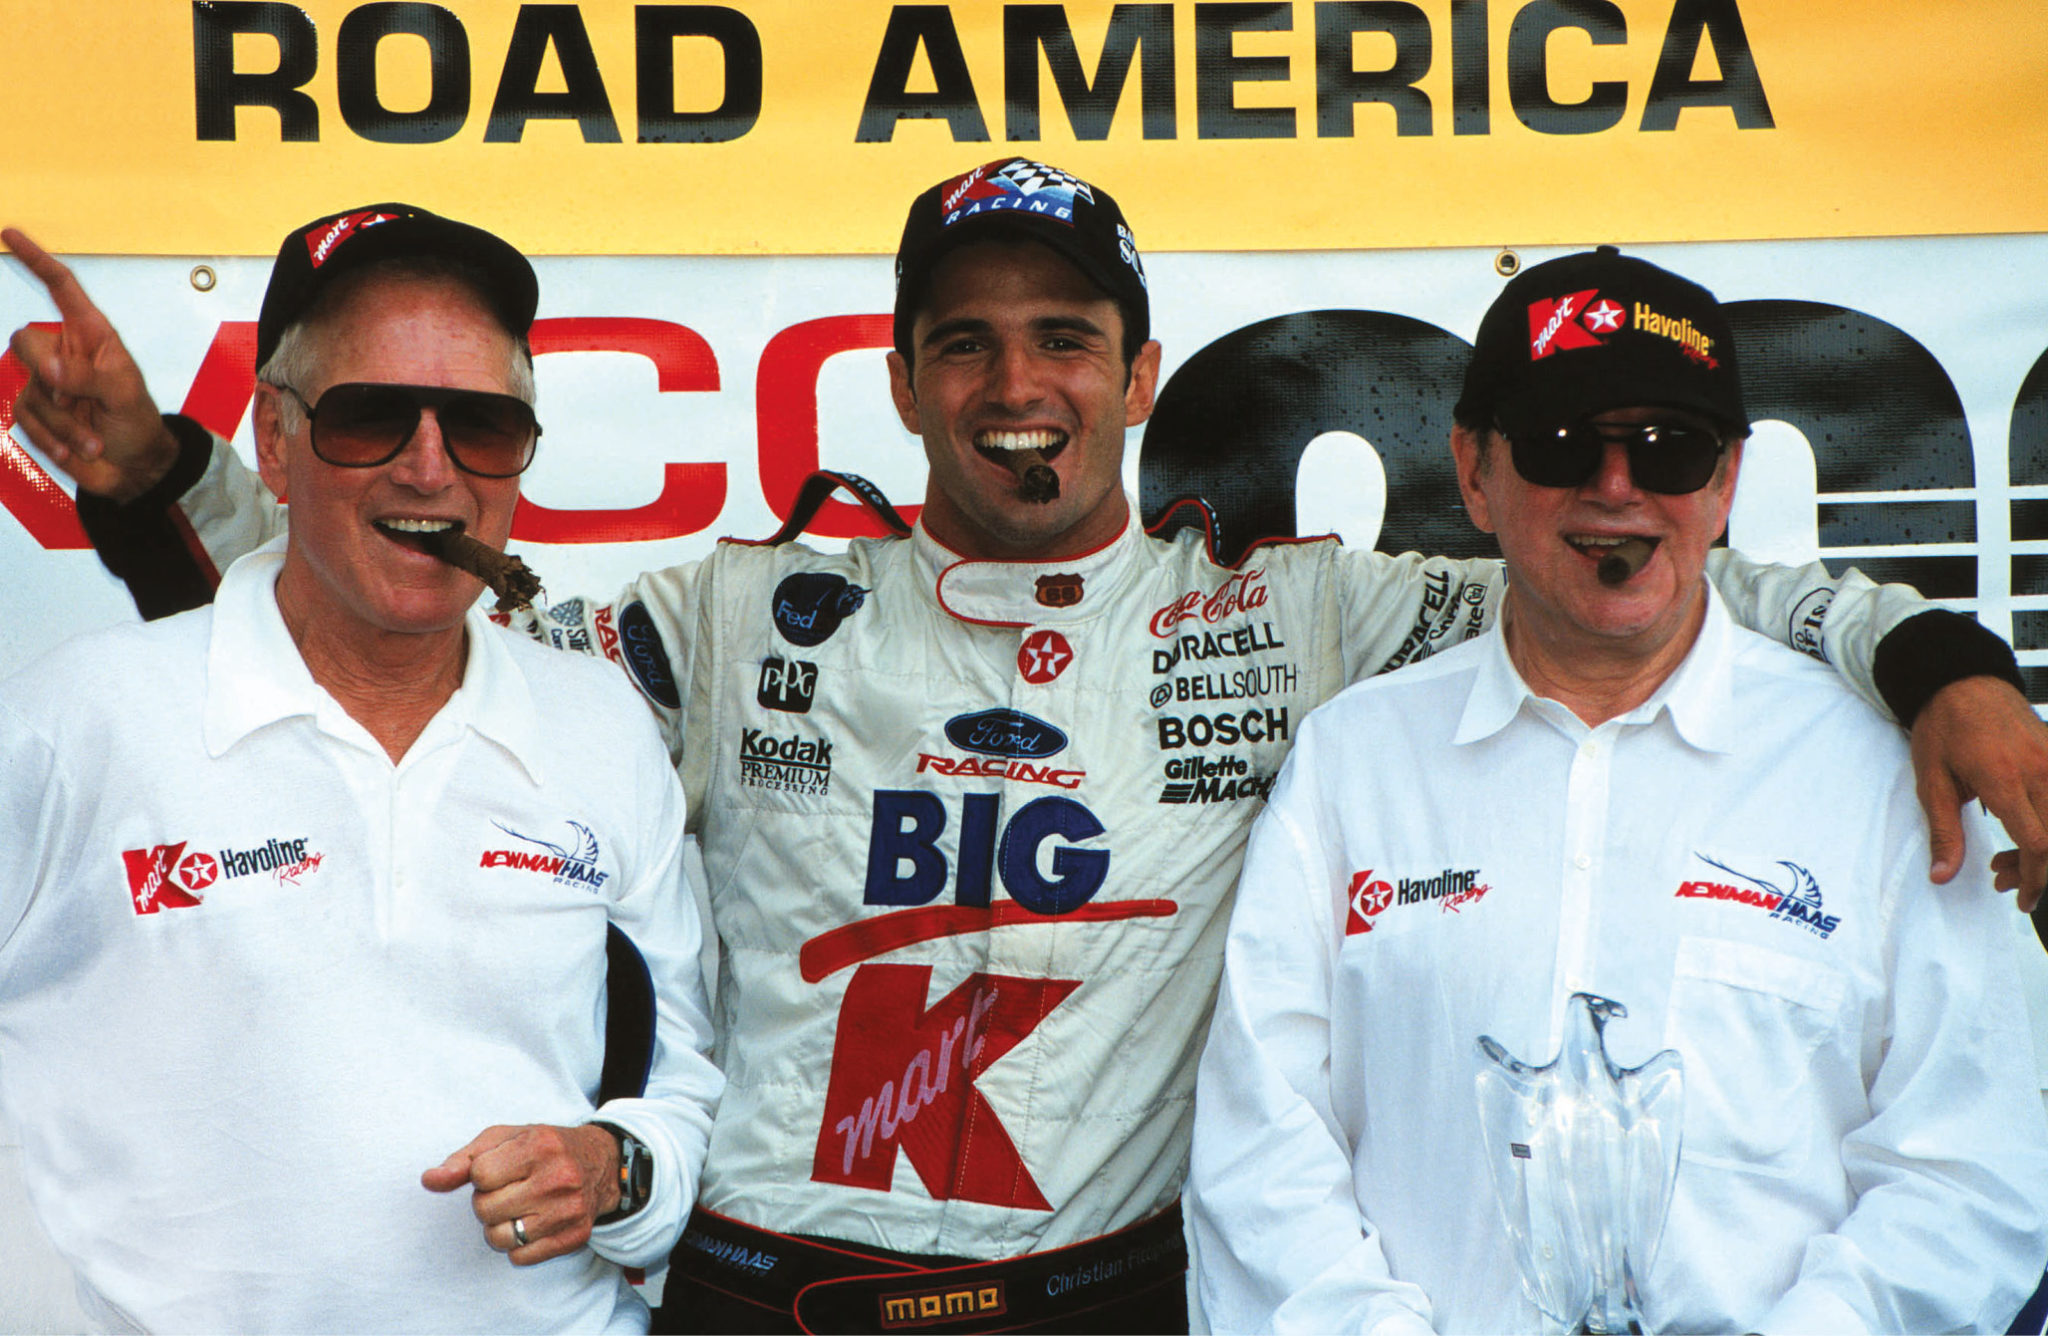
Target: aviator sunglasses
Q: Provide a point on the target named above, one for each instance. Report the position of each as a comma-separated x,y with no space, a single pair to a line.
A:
359,426
1670,458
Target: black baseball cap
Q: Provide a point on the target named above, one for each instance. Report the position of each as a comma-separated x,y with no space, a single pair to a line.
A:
1598,330
314,255
1019,198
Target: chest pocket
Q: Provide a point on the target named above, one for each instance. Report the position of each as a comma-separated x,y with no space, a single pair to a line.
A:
1749,1021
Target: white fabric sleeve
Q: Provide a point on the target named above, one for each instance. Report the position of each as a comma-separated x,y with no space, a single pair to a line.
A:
33,801
1951,1171
1283,1243
662,916
229,508
1398,610
1839,622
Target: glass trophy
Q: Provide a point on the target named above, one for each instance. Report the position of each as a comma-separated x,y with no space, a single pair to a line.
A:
1583,1154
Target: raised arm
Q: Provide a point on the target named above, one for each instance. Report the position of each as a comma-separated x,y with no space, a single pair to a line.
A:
1953,683
85,404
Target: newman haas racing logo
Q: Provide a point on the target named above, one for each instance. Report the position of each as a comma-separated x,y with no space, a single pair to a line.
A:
1797,902
1578,319
164,876
569,865
1371,895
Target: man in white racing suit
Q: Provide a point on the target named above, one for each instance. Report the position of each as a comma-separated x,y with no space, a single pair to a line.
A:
972,800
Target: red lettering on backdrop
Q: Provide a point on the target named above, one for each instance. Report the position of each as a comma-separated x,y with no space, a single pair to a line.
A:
786,417
903,1076
219,396
692,495
226,380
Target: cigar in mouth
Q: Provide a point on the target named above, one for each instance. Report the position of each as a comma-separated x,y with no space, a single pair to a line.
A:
507,576
1037,483
1624,560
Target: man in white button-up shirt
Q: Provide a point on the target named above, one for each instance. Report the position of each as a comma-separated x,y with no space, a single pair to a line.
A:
1623,794
306,898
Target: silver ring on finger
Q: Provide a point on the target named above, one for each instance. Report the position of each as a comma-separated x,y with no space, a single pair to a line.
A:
519,1231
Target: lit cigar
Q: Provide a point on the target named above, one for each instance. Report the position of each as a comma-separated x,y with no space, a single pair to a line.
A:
508,576
1624,560
1037,482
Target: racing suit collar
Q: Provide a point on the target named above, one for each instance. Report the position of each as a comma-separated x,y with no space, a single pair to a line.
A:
1024,593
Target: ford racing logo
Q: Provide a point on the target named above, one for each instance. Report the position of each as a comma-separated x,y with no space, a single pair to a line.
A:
1005,733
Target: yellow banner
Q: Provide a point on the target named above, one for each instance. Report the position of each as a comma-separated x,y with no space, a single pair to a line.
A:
805,126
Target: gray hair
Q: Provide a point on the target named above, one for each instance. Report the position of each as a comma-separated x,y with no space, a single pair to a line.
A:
296,361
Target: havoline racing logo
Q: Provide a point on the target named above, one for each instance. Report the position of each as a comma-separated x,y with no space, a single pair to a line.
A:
166,876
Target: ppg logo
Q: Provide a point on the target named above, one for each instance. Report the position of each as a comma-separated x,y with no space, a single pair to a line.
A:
789,685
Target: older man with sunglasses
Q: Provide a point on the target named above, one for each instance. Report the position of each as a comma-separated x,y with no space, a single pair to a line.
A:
306,899
1617,809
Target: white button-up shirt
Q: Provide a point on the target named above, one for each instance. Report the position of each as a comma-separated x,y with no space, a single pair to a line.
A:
1740,862
255,977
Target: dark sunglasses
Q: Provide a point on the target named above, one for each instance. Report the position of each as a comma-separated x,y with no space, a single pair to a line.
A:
359,426
1662,457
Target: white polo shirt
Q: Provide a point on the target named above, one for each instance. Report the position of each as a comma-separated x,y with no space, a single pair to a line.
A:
1741,863
255,978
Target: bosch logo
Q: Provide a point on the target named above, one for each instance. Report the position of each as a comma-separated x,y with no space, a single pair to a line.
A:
1005,732
1199,730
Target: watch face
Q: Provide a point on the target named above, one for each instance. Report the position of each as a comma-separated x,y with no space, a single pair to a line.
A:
637,1178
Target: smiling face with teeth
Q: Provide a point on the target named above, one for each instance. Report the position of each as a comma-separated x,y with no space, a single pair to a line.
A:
351,576
1555,540
1016,351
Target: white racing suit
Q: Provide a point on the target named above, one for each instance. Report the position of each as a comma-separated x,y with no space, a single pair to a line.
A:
972,829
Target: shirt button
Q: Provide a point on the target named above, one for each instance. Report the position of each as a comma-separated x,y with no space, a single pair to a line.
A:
1589,748
1581,862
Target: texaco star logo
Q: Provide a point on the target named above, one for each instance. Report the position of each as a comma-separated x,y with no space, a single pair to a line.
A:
1045,655
198,871
1604,316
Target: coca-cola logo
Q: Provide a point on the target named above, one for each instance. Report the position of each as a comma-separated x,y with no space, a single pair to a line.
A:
1240,593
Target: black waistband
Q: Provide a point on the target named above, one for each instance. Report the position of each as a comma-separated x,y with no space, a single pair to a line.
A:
841,1287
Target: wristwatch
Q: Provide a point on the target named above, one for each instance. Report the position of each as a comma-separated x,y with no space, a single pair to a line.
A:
636,1174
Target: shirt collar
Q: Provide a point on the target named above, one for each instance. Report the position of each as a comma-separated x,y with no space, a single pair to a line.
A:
1025,593
255,676
1698,695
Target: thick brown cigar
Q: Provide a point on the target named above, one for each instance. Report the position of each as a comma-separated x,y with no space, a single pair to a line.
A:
507,576
1625,560
1039,483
